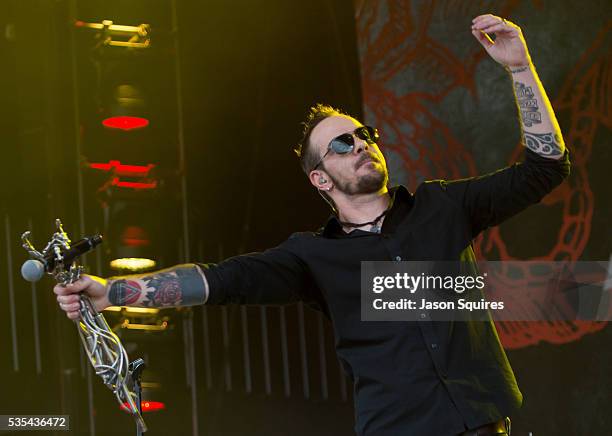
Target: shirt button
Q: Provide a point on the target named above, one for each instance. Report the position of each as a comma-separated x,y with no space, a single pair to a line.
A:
434,346
423,316
398,258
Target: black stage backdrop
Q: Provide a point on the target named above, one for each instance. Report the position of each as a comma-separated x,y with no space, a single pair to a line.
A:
249,71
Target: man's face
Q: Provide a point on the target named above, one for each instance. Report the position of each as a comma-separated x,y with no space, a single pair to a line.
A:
361,171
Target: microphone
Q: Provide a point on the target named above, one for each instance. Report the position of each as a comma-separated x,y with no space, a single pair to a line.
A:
32,270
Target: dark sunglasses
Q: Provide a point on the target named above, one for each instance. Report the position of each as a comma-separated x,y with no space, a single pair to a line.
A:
345,143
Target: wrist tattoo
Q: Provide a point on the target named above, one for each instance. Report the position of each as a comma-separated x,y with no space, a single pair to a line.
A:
528,105
124,292
544,144
518,69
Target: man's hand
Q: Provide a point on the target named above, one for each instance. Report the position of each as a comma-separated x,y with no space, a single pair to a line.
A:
509,47
68,296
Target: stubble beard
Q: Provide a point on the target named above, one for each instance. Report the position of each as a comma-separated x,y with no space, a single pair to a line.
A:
369,183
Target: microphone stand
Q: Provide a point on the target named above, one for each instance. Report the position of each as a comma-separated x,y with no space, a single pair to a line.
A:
103,347
136,367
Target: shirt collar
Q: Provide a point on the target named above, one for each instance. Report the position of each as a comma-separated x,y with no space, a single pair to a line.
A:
333,229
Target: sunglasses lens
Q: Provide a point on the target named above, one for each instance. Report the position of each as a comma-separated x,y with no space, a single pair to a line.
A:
343,144
367,133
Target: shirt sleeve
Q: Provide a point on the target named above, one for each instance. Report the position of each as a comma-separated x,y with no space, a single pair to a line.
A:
275,276
490,199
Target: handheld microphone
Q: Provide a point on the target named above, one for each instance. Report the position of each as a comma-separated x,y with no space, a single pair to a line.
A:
32,270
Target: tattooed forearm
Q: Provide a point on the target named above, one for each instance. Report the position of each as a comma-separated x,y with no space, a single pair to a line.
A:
544,144
541,132
528,104
182,285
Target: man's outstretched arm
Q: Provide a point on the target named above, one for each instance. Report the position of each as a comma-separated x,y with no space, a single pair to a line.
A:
275,276
181,285
541,132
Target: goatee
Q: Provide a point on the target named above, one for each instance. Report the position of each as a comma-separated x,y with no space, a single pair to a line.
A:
369,183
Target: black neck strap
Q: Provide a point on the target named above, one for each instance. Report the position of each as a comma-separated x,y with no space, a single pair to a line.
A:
373,222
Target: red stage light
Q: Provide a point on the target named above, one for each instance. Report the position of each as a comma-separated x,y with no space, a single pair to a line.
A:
152,406
147,406
123,169
134,236
125,123
134,185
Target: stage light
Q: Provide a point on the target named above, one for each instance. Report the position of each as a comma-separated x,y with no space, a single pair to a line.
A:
158,327
137,311
133,264
152,406
125,123
142,310
124,170
125,109
128,176
134,185
132,235
118,35
147,406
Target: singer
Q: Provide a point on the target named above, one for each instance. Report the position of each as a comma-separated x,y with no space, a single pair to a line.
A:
422,378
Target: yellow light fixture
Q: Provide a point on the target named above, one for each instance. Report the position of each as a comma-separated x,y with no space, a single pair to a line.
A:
132,264
134,310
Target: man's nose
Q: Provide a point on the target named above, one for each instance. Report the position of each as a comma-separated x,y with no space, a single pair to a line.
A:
360,145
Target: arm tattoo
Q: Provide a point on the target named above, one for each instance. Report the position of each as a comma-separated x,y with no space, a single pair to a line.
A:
544,144
179,286
163,289
528,105
518,69
124,292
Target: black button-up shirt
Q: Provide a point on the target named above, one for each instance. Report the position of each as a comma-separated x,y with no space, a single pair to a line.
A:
410,378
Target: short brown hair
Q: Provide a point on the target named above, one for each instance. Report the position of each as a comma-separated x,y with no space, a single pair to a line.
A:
308,157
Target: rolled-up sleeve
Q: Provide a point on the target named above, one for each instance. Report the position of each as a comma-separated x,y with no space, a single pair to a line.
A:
490,199
275,276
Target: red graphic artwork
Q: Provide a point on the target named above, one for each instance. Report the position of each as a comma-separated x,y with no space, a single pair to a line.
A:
406,73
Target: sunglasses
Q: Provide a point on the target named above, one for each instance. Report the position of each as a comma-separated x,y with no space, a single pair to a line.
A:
345,143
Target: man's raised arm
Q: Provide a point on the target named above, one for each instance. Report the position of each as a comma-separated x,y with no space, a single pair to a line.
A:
490,199
541,132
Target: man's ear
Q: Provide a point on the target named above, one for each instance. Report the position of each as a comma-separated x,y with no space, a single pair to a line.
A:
320,180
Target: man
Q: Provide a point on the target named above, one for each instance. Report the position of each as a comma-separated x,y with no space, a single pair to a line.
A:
410,378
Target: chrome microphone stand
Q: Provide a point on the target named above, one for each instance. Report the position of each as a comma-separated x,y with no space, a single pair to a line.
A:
102,346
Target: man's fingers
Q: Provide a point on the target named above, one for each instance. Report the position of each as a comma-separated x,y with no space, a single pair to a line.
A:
73,288
70,307
498,27
73,315
68,299
480,17
80,284
482,38
486,22
485,18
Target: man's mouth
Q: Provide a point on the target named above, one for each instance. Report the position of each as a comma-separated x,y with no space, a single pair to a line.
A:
364,161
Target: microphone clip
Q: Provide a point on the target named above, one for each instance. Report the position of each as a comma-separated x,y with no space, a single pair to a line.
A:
52,257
